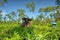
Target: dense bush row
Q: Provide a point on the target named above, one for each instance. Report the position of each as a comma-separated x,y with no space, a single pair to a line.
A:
36,32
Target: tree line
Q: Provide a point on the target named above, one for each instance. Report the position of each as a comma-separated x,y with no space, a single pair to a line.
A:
51,10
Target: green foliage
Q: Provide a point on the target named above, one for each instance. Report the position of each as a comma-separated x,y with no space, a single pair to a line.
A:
31,6
47,9
21,13
0,15
2,2
14,31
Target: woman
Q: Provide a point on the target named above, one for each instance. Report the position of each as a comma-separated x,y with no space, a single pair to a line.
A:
26,22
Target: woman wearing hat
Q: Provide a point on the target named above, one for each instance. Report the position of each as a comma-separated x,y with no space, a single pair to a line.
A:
26,22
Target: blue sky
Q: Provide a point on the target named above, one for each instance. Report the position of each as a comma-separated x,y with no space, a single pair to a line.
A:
13,5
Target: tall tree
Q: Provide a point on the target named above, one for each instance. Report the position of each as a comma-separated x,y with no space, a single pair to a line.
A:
57,14
9,17
0,15
51,15
57,2
31,6
57,10
21,14
47,10
2,2
40,17
13,15
5,18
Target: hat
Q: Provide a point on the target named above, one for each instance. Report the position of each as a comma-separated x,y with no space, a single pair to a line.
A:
26,18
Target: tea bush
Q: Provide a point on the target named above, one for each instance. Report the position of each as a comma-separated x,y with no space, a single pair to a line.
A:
35,32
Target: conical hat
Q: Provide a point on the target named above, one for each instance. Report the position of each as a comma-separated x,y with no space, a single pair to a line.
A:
26,18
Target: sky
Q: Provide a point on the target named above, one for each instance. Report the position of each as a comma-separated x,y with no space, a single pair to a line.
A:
13,5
